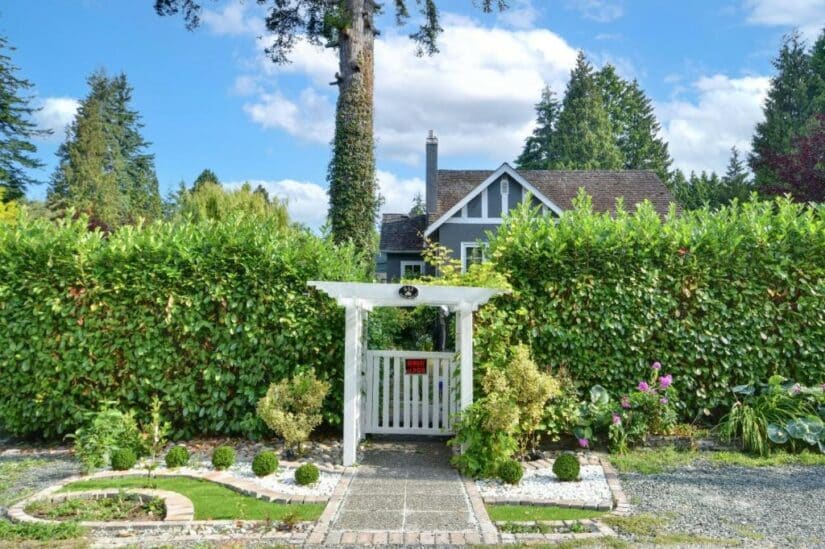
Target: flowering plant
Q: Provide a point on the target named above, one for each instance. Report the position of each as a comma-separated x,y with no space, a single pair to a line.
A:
649,409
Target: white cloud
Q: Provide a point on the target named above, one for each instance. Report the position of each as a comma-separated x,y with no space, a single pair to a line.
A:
55,114
233,19
807,15
521,14
701,132
398,193
601,11
308,202
310,117
477,93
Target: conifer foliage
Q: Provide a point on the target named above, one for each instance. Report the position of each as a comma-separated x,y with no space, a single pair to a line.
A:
103,167
603,122
17,129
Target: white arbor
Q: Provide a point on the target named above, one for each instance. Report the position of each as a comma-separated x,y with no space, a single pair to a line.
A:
377,396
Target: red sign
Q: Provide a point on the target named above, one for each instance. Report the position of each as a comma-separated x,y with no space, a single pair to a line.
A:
416,366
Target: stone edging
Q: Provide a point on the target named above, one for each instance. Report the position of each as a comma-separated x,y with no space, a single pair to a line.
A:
596,530
179,509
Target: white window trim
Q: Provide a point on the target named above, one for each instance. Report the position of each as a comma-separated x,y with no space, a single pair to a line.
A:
405,264
465,246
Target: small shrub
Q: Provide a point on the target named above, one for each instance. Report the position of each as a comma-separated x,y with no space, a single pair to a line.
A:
177,457
292,408
223,457
265,463
104,432
510,472
123,459
307,474
566,467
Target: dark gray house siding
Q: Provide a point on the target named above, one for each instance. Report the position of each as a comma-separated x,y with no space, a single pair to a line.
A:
393,264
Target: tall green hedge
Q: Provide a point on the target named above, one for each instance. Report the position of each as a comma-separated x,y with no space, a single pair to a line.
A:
202,315
720,299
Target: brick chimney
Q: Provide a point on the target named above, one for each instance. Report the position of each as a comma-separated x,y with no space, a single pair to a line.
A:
432,173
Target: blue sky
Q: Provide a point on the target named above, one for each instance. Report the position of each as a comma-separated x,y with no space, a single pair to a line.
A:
209,98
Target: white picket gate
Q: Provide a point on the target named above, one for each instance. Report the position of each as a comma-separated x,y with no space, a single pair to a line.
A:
414,404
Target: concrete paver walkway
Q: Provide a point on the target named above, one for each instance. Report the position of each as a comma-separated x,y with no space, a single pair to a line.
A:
406,487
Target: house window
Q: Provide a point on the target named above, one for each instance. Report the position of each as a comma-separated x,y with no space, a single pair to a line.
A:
412,269
472,253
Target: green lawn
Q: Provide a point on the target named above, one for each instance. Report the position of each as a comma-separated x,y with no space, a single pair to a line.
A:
530,512
212,501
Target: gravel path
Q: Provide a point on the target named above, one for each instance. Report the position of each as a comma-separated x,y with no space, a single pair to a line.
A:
24,480
760,507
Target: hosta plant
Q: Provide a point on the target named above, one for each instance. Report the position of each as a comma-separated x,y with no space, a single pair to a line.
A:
778,412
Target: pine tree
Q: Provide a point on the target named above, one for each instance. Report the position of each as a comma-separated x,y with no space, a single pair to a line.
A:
539,148
125,159
418,206
787,108
816,88
17,130
735,183
206,176
584,133
84,179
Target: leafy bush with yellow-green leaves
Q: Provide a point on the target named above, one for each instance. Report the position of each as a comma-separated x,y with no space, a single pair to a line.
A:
205,315
725,298
292,408
506,419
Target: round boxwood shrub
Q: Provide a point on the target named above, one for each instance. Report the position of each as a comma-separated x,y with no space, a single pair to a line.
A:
510,471
123,459
177,457
307,474
566,467
265,463
223,457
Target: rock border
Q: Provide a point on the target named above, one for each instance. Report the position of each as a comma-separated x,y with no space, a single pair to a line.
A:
596,529
179,508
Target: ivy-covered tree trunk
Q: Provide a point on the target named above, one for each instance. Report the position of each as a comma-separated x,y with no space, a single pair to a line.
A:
352,186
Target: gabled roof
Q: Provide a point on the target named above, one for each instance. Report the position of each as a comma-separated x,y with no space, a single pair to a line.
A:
562,186
402,233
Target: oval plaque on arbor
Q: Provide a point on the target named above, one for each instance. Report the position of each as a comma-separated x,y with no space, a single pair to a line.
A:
408,292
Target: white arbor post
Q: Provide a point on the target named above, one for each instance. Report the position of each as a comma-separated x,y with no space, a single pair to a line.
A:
352,378
464,342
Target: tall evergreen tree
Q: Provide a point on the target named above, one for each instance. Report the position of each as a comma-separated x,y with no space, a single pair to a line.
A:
539,148
348,26
816,88
125,159
787,108
84,179
17,130
735,183
584,133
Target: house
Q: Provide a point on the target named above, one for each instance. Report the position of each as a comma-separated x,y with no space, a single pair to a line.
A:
463,205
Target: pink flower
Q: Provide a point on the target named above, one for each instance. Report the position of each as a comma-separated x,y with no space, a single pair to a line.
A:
665,381
625,402
617,419
796,389
663,400
656,365
584,443
643,386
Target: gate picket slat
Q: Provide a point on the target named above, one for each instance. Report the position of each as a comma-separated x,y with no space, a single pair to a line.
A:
375,390
396,393
415,392
406,401
447,396
425,399
385,411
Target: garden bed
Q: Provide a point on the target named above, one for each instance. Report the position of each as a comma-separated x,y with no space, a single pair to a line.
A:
100,507
539,486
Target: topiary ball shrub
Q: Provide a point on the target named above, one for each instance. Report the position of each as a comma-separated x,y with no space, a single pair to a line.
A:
307,474
265,463
566,467
223,457
177,457
510,472
123,459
